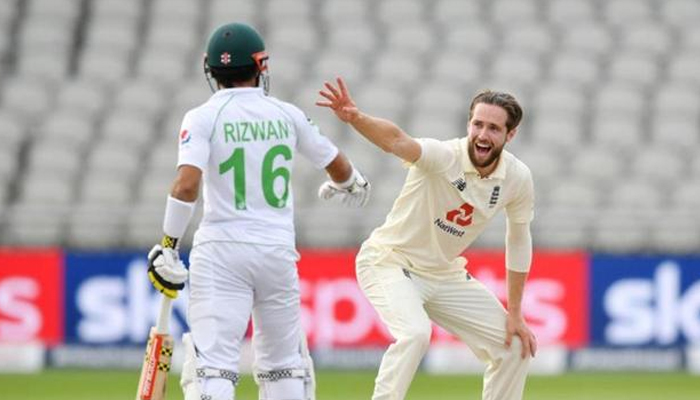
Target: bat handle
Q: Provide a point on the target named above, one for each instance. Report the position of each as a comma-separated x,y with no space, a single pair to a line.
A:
164,315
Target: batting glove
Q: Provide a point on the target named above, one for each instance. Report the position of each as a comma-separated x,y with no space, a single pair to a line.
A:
166,271
353,193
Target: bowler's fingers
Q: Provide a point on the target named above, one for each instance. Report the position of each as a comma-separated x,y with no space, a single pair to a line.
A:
343,88
533,345
332,89
526,347
328,96
509,338
324,104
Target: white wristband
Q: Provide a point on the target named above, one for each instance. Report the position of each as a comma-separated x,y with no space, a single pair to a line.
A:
349,182
177,216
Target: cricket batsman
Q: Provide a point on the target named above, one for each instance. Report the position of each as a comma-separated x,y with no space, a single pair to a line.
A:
241,145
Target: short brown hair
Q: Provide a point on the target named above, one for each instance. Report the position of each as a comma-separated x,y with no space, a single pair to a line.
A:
504,100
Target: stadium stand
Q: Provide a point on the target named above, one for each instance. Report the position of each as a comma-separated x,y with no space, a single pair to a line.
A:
92,93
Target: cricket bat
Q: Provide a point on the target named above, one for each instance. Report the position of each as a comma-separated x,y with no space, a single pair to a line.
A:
159,351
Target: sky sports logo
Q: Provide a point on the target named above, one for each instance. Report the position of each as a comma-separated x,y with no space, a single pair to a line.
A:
645,301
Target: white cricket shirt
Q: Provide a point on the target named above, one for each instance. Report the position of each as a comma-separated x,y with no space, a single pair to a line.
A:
245,143
443,207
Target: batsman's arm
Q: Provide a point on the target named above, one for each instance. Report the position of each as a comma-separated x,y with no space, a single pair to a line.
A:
180,205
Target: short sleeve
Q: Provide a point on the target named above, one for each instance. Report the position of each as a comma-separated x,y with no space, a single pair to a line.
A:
435,156
194,145
521,209
315,147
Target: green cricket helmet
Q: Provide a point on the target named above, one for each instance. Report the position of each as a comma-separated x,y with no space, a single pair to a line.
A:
236,45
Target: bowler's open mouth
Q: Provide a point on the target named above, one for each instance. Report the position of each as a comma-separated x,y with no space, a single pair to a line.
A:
482,149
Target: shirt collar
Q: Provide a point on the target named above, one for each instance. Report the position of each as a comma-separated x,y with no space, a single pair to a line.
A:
238,90
469,168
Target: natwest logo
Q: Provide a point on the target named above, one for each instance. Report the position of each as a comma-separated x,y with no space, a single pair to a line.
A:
461,216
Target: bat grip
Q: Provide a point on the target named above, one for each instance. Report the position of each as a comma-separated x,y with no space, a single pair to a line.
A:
164,315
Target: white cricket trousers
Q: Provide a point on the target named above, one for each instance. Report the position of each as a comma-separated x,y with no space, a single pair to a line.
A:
463,306
228,282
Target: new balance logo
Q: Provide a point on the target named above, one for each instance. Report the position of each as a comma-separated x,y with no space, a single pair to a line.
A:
460,184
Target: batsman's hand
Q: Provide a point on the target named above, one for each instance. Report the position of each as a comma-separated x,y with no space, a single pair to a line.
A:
166,271
339,100
355,194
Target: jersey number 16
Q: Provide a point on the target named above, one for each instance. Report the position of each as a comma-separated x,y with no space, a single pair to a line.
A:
269,174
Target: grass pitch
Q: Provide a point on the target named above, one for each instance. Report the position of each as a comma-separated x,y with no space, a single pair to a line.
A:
338,385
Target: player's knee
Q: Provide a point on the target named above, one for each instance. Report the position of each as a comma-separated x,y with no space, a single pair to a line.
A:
418,336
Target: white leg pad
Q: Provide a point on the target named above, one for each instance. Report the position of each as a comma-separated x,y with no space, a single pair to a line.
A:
289,384
204,383
188,378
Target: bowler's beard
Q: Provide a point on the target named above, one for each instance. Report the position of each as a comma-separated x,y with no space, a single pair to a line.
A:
492,157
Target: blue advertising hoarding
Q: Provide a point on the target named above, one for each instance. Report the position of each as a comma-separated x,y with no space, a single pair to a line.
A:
109,300
645,301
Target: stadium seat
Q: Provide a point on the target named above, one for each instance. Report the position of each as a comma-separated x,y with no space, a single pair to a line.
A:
566,12
107,190
638,194
586,37
562,227
66,128
140,97
625,12
598,166
104,67
621,99
676,100
555,133
53,162
507,12
338,63
454,13
90,227
109,161
127,130
227,11
675,231
399,12
399,69
82,96
648,37
621,231
12,131
684,67
574,69
344,13
532,38
35,224
456,69
475,39
520,68
680,12
561,99
37,187
637,68
617,132
425,124
682,135
25,99
281,11
442,100
411,39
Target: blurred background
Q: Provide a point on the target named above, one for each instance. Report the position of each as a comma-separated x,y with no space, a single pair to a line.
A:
92,93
